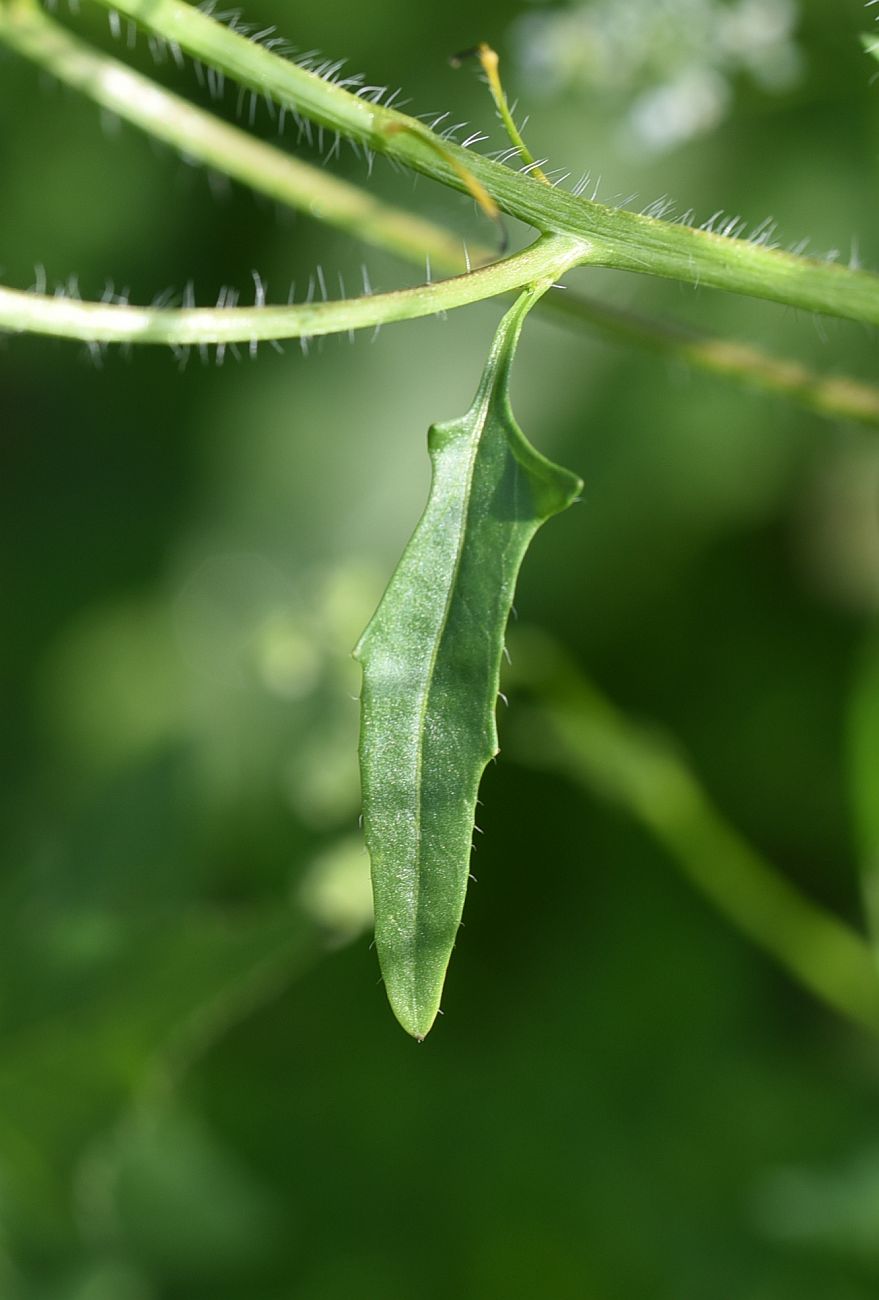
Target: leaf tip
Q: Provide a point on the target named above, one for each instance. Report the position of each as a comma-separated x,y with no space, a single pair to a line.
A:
414,997
417,1021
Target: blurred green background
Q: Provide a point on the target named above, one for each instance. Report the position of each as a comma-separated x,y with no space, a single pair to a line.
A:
202,1091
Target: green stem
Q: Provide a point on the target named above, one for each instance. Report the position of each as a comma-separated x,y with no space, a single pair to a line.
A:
271,171
99,322
489,62
836,396
576,730
619,239
199,134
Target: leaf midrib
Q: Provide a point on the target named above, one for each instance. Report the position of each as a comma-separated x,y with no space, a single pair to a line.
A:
424,706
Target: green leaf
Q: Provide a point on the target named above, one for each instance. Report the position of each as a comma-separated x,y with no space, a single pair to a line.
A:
431,664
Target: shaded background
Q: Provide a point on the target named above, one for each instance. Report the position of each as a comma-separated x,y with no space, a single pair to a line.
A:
202,1092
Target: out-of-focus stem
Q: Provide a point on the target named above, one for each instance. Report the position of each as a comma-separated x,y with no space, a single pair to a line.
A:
573,728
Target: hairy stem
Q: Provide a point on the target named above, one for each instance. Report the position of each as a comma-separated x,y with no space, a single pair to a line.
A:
201,135
100,322
576,730
617,238
271,171
489,62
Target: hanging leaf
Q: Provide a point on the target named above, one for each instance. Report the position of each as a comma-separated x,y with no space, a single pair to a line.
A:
431,665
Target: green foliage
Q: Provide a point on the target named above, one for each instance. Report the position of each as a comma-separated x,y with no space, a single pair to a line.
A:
203,1095
431,661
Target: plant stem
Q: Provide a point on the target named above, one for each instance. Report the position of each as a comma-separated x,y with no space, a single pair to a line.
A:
836,396
576,730
616,238
201,135
270,171
99,322
489,63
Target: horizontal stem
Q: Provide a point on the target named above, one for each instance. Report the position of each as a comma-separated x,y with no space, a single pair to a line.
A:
577,730
618,238
110,322
271,171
